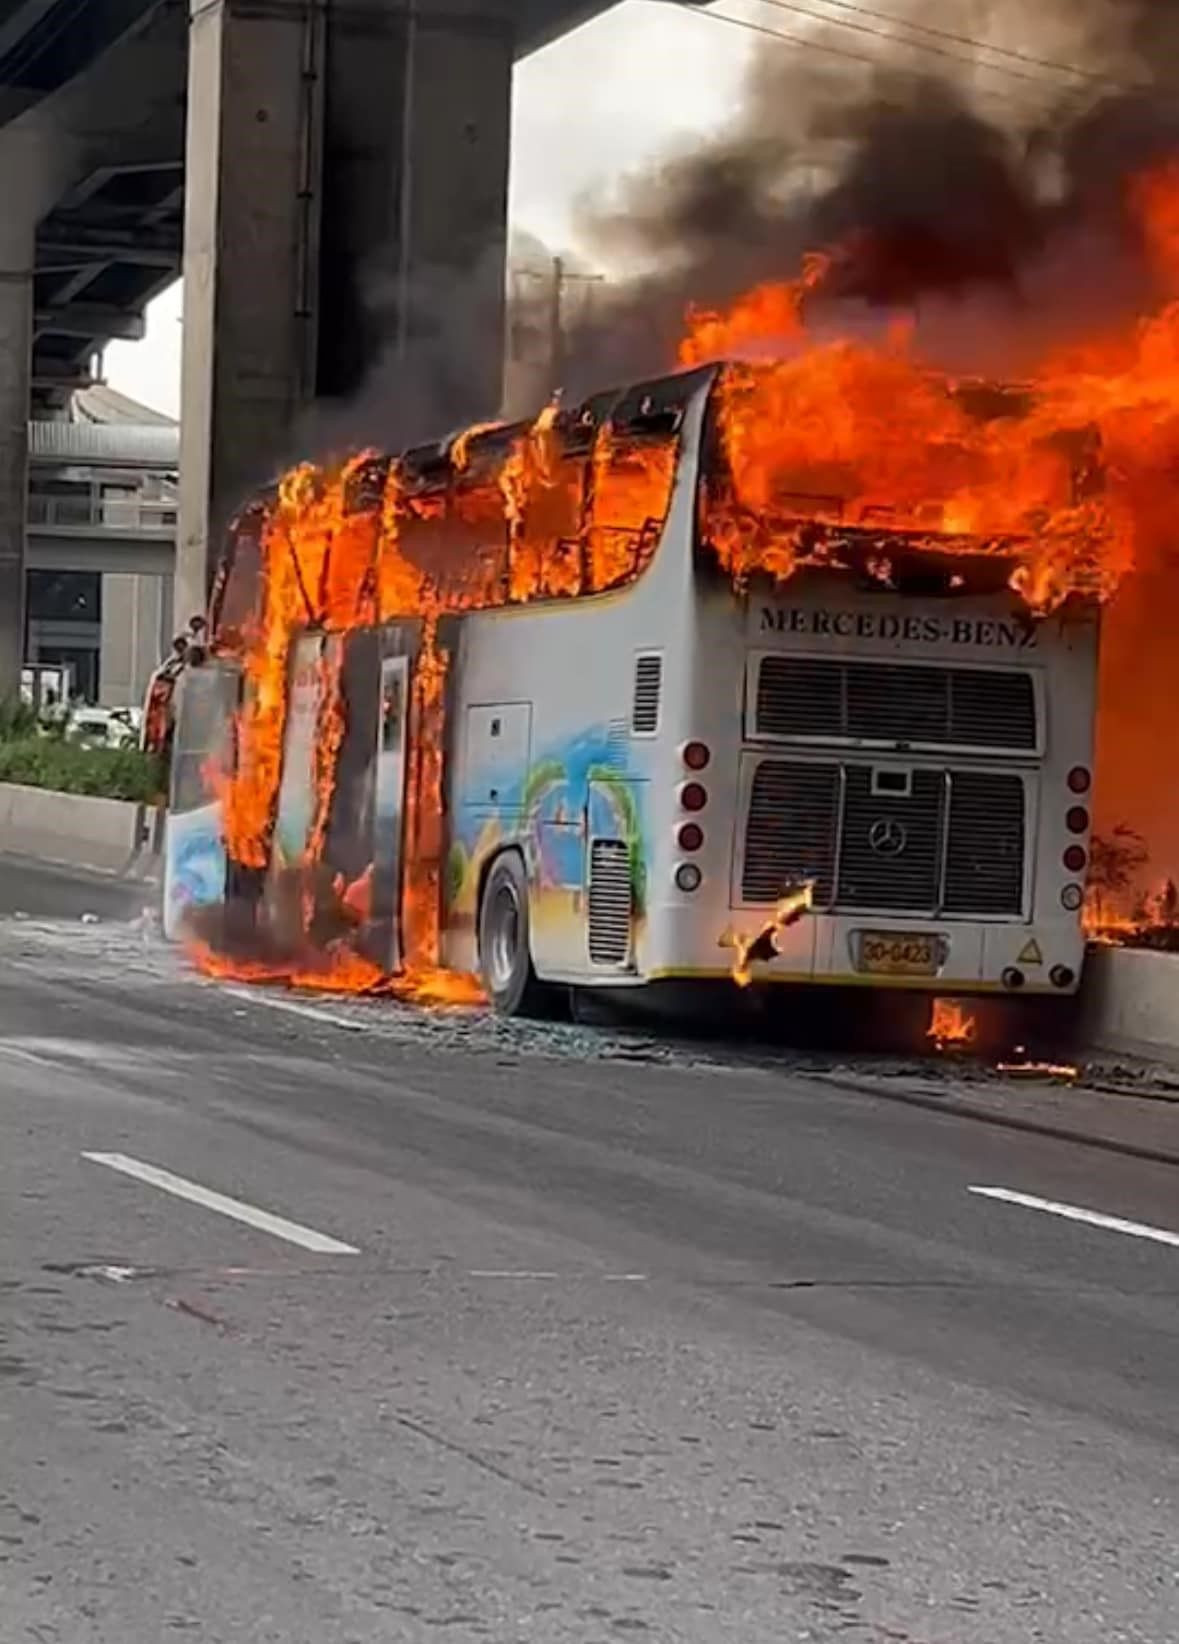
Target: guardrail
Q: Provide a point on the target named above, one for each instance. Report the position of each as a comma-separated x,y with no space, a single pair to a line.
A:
110,835
115,514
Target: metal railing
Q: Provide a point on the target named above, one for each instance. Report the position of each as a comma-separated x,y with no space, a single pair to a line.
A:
115,514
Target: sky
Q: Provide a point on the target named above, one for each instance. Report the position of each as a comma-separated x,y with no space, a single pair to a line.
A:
642,80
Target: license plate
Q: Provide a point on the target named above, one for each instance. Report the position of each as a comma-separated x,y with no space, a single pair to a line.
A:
895,953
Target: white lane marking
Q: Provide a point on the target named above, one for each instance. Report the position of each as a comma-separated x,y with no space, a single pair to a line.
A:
1074,1213
180,1188
527,1273
314,1013
498,1273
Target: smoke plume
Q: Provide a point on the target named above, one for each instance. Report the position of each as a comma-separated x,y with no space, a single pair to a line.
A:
992,208
969,186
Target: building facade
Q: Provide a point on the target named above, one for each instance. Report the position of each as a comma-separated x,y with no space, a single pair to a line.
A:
101,525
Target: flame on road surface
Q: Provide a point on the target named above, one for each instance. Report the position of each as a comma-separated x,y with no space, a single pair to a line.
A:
338,969
951,1025
1061,1071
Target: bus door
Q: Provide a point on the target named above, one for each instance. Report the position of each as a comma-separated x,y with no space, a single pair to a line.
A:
388,811
297,796
195,862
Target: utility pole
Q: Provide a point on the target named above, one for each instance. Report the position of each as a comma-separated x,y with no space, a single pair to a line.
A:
557,354
548,352
556,330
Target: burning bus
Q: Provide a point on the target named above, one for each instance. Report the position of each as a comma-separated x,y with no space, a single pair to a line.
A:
675,683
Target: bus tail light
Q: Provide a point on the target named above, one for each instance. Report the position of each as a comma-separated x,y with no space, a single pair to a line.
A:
1012,978
1079,779
696,755
688,876
1061,976
1077,819
693,796
1074,858
690,836
1071,898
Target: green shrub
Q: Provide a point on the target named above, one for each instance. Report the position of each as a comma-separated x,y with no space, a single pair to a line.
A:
17,718
71,767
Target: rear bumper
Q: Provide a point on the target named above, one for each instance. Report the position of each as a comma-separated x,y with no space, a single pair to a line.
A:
824,949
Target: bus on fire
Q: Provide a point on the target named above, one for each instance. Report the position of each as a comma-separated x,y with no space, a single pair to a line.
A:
643,758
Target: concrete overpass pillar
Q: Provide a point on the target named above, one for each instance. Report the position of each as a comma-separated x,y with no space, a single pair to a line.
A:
250,245
344,238
16,346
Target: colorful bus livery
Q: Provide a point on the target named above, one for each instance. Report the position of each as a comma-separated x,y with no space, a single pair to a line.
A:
638,756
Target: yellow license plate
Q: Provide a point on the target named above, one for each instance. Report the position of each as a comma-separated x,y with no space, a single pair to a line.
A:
893,953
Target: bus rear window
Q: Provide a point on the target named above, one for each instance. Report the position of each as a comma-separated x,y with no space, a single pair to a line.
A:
895,703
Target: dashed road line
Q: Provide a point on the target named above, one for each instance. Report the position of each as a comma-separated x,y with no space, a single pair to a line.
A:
293,1007
237,1209
507,1273
1076,1213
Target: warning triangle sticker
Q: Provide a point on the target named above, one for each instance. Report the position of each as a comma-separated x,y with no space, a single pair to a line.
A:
1030,953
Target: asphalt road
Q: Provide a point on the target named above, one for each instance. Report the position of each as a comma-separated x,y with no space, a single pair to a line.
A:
36,890
670,1349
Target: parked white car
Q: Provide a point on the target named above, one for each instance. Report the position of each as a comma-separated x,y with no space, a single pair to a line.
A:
104,727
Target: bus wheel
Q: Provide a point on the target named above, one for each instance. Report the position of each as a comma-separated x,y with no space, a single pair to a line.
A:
505,960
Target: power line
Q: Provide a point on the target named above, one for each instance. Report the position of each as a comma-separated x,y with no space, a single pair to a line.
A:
900,40
870,59
983,45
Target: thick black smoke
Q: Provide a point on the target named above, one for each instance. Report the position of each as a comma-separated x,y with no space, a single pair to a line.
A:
991,206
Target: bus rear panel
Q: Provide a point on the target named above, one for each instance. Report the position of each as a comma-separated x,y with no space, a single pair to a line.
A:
922,765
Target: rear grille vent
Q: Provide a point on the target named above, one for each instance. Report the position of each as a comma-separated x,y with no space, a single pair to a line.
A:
953,842
896,702
984,863
790,835
644,718
609,903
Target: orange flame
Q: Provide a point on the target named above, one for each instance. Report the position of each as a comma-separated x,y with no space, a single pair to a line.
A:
1071,481
338,969
762,946
951,1025
1065,1071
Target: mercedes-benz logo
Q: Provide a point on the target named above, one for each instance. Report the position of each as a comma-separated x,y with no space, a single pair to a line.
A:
887,836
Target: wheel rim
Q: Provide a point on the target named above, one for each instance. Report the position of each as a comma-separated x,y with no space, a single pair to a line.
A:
503,937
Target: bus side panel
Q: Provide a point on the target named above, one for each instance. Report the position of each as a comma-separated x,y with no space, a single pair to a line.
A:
588,775
580,777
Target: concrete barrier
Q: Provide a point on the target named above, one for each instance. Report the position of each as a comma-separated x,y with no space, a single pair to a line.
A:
108,835
1130,1002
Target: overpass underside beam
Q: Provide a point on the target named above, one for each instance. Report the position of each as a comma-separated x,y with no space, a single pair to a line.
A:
344,240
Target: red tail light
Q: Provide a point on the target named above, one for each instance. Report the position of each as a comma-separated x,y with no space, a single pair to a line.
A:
693,796
690,836
1079,779
696,755
1077,820
1075,858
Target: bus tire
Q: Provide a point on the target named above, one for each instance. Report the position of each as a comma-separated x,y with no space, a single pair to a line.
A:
505,957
